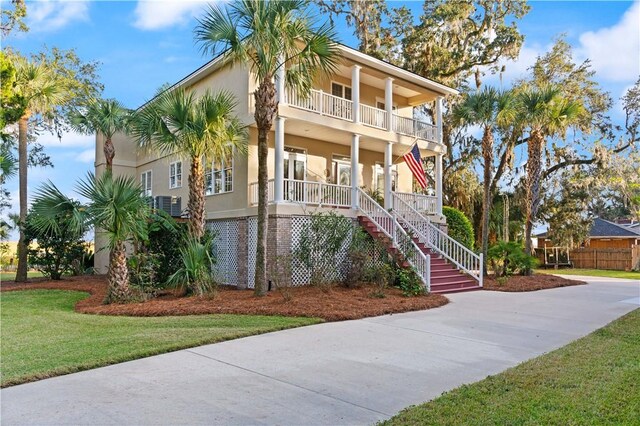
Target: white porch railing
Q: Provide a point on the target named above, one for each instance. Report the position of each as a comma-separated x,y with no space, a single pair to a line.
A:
430,235
388,224
426,204
410,127
373,117
307,192
322,103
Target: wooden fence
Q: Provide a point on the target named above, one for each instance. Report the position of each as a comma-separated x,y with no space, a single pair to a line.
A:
601,258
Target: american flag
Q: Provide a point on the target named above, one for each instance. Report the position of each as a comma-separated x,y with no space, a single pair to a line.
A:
413,160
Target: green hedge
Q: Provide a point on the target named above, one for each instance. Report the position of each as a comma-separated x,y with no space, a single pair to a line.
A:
459,225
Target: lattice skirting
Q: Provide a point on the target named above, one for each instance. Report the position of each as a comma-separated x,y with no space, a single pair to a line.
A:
225,250
235,249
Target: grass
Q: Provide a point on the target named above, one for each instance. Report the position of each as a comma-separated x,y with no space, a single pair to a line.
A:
42,336
593,273
593,380
10,276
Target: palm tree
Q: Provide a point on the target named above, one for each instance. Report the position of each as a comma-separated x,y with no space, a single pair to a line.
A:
544,112
115,207
269,35
40,91
489,109
104,116
204,128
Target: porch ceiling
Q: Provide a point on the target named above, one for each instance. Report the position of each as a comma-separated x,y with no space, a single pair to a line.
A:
375,78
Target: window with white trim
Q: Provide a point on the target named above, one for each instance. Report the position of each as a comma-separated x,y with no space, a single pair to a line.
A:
145,182
175,175
379,177
340,90
218,176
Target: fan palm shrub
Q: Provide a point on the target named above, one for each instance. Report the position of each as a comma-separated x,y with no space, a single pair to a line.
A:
195,274
115,208
269,35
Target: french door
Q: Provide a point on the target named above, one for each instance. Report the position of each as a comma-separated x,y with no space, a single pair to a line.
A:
295,173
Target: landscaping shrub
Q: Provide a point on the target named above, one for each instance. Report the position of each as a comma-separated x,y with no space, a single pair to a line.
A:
321,246
166,237
459,226
195,274
409,282
143,273
508,258
56,251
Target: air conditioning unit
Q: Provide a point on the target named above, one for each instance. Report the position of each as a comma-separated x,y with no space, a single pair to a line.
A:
169,204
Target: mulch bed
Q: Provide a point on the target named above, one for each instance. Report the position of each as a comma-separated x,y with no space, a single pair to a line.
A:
529,283
338,304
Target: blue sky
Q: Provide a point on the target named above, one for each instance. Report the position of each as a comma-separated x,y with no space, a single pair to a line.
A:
144,44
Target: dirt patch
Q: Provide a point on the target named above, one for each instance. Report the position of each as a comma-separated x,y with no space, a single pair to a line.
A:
336,305
529,283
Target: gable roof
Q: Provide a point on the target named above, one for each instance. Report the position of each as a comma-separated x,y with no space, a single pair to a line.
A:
604,228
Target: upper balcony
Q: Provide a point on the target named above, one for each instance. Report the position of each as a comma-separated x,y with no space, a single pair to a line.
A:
322,103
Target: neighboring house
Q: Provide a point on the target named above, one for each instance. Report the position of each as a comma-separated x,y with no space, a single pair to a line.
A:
603,234
351,133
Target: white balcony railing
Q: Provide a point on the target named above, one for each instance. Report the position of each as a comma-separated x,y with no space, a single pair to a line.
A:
374,117
426,204
410,127
307,192
322,103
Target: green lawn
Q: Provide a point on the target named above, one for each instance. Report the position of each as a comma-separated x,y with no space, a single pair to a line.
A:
592,273
42,336
593,380
10,276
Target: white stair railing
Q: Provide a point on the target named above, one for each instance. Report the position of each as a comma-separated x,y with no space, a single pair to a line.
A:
430,235
400,239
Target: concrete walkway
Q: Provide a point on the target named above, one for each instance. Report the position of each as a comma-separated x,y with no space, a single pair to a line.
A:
355,372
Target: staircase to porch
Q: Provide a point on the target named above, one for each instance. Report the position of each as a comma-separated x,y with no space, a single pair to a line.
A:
443,265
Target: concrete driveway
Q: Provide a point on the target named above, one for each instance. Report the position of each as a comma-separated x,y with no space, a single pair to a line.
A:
354,372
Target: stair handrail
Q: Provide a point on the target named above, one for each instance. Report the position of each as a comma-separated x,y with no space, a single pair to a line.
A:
434,238
388,224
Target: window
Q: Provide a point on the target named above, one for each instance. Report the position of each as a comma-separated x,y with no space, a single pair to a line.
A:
145,182
218,177
342,170
341,90
175,175
379,179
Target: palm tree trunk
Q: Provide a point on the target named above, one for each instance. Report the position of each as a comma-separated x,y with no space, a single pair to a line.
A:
266,109
487,154
536,141
21,273
118,276
196,198
109,153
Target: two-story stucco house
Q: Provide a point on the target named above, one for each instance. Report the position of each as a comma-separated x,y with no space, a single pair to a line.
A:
349,134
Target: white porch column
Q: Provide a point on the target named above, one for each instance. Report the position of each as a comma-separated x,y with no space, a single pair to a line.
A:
388,163
439,119
355,92
388,102
278,184
355,169
280,78
439,183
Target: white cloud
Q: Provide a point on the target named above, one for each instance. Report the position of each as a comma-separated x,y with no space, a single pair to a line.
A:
615,51
86,156
71,139
160,14
51,15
